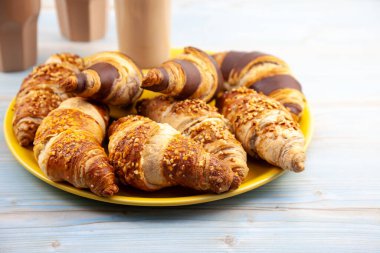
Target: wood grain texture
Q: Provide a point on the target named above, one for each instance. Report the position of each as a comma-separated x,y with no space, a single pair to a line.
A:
334,206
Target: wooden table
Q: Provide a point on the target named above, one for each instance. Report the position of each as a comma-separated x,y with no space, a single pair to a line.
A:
333,47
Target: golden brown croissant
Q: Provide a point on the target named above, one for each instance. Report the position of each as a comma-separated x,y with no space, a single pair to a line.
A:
201,122
150,156
193,74
264,127
40,93
68,146
110,77
264,73
68,60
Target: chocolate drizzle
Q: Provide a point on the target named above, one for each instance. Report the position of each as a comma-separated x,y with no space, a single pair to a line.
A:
294,108
81,82
107,74
193,79
235,60
229,62
245,59
272,83
219,75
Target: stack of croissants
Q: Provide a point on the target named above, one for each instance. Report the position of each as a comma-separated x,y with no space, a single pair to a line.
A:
175,139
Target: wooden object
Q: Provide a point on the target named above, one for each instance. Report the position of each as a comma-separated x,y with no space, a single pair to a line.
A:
18,34
82,20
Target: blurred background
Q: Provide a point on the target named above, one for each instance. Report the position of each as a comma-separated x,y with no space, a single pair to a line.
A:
331,38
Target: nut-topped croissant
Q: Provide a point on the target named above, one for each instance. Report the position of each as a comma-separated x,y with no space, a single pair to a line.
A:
68,60
201,122
40,93
150,156
193,74
68,146
110,77
264,73
265,128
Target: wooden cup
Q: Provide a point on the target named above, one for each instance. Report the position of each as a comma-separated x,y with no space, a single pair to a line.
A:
143,30
18,34
82,20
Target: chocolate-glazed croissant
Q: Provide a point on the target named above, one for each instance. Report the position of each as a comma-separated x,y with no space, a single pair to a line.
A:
264,127
193,74
264,73
150,156
109,77
68,146
40,93
201,122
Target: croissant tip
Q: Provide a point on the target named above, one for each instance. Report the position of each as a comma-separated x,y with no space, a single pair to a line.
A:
298,163
153,80
149,79
67,83
236,182
298,167
146,85
110,190
25,142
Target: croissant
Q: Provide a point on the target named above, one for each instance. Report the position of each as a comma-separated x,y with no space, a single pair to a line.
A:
264,73
193,74
110,77
40,93
150,156
202,123
265,128
68,146
68,60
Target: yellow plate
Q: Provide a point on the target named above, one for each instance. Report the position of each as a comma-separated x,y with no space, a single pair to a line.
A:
260,172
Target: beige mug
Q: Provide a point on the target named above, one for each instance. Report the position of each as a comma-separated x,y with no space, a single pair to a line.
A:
143,28
82,20
18,34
